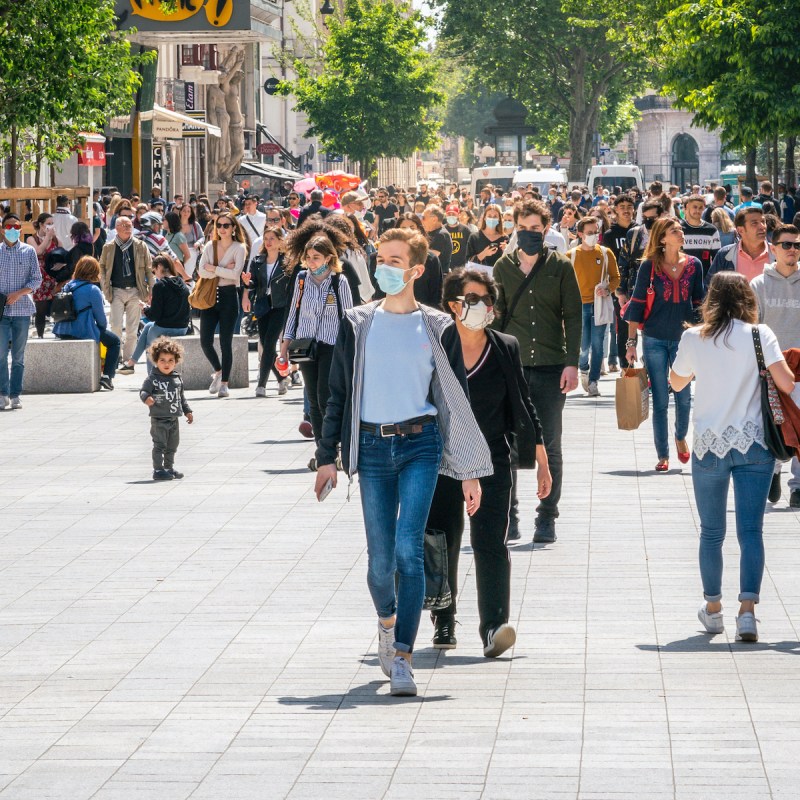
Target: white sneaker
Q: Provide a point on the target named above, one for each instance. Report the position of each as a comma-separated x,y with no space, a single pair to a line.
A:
712,621
283,385
386,648
4,401
223,390
498,640
592,390
216,382
402,684
746,630
261,391
584,381
16,403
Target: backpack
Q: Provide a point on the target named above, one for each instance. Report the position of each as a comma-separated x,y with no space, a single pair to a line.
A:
63,307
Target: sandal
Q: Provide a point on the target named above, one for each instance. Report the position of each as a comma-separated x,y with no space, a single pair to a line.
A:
683,451
663,465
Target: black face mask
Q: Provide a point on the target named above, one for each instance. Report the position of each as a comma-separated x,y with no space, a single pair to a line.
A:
530,242
649,222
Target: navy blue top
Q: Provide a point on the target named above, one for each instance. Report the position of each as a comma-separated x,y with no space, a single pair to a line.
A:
675,303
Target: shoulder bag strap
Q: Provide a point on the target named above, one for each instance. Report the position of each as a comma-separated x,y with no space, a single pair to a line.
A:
301,279
520,290
759,352
252,227
335,281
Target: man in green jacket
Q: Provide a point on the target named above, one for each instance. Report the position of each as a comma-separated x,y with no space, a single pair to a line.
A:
539,302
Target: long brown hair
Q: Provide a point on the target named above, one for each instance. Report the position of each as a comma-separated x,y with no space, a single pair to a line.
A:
237,232
729,297
655,245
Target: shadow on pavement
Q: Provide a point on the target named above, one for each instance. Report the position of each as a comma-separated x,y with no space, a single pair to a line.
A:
285,441
297,471
704,643
364,695
641,473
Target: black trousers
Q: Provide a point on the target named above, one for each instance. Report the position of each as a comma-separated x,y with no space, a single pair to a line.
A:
269,331
622,333
316,375
487,528
223,313
42,312
166,438
548,399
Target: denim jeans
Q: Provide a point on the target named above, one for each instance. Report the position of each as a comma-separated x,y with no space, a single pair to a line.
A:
658,357
13,338
397,476
149,334
592,338
711,476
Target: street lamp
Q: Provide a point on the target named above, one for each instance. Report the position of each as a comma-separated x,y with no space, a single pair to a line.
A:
326,9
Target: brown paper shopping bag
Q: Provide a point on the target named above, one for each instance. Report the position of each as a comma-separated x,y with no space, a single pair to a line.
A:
632,398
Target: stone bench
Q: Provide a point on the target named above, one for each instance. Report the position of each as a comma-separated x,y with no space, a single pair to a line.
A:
56,366
196,371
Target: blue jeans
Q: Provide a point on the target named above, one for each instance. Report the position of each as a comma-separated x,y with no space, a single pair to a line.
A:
397,475
151,332
592,337
13,338
711,476
658,357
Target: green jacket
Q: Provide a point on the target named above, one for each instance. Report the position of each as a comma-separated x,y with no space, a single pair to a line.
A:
548,318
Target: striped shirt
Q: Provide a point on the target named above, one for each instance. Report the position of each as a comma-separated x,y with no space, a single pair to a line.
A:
19,269
319,311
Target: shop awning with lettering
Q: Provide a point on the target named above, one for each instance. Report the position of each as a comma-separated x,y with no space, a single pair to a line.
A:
267,171
159,112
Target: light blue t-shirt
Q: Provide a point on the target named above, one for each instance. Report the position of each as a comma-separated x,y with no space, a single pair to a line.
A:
398,367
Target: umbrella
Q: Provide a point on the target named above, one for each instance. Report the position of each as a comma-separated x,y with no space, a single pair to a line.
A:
339,181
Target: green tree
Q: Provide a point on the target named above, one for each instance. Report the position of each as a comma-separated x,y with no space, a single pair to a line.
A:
372,93
736,66
575,71
64,68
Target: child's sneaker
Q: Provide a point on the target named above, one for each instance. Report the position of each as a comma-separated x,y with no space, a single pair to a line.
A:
162,475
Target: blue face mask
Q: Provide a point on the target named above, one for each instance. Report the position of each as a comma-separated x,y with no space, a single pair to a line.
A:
492,222
321,271
11,234
390,279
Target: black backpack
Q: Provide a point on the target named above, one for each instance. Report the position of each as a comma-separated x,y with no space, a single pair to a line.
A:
63,306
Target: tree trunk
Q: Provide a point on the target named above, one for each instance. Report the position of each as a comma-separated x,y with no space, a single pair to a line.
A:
791,173
38,170
581,130
776,172
12,158
750,162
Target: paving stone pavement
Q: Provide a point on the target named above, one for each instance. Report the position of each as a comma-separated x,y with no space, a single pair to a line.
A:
214,638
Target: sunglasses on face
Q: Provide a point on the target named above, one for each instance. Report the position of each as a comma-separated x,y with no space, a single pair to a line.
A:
790,245
224,225
473,299
14,226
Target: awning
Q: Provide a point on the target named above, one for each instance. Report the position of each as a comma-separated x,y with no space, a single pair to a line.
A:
159,112
267,171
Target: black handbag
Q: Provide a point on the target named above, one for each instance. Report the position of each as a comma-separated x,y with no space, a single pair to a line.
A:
302,350
770,406
437,587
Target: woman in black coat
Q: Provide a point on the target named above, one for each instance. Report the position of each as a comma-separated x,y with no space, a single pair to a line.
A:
502,406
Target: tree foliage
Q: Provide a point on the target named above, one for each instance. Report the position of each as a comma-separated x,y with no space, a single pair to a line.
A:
375,91
573,69
64,68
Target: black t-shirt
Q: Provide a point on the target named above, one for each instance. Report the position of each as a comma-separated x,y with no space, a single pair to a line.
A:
702,242
488,396
614,239
385,215
460,236
441,242
478,242
422,198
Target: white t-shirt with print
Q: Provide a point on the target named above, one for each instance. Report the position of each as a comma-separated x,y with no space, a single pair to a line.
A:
727,399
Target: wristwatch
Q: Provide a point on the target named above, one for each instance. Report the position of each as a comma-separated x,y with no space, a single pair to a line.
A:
631,342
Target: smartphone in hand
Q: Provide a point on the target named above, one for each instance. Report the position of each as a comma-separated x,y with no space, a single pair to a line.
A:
326,489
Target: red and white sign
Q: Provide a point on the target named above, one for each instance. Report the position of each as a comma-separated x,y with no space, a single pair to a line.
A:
93,152
268,149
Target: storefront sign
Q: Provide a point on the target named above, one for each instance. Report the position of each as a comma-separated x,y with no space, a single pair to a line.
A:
194,131
189,95
92,154
158,165
183,15
167,129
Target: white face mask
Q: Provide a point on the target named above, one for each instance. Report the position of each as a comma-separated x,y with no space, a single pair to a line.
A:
452,221
591,239
476,317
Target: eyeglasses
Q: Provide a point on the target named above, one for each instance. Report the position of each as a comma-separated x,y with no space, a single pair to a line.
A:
15,227
473,299
273,219
790,245
224,225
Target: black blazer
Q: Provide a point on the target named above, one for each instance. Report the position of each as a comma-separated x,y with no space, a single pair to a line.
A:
527,431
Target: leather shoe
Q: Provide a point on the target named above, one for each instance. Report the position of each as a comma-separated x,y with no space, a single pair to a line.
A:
544,531
513,531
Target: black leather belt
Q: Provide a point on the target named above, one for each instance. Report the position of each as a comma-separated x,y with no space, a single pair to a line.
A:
398,428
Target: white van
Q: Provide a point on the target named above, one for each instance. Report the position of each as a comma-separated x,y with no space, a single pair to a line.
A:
627,176
499,177
540,179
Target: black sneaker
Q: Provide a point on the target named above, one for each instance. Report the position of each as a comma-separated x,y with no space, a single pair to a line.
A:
794,498
126,369
106,383
513,531
775,488
545,531
444,635
162,475
175,474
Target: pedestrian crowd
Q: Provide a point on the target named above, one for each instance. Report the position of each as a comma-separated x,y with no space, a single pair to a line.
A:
438,335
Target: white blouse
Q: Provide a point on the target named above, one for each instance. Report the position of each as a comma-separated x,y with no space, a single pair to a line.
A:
727,399
230,264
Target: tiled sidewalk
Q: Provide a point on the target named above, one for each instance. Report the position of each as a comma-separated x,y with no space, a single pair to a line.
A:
214,638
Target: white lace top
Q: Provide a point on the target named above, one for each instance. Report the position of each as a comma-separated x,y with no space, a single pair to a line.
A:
727,402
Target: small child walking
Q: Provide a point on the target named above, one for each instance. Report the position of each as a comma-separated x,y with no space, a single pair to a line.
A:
162,391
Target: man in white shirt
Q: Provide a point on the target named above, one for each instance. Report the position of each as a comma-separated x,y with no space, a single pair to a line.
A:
253,221
63,220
